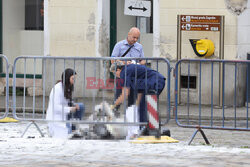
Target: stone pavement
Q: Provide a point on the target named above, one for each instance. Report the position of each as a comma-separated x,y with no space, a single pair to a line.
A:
227,149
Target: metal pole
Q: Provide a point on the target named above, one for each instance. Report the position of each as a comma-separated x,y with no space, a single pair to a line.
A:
221,56
179,55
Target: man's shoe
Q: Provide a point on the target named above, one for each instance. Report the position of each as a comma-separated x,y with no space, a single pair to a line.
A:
144,132
165,132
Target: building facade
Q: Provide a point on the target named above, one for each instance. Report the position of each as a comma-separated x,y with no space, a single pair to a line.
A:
90,28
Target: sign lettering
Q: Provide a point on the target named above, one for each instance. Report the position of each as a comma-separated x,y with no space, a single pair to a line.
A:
200,23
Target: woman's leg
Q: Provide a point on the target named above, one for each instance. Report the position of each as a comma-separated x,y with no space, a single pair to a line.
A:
78,114
69,125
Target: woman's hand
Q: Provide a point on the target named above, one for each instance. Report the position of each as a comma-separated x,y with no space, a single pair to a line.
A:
77,107
73,109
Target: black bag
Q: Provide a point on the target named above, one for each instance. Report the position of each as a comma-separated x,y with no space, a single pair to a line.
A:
124,54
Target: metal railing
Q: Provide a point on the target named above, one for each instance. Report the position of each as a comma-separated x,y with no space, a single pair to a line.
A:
93,86
208,95
5,86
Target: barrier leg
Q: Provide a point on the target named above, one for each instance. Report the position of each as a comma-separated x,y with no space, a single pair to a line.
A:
37,127
153,117
202,133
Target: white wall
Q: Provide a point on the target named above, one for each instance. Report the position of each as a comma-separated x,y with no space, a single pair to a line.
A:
13,22
169,10
103,28
16,40
31,42
244,33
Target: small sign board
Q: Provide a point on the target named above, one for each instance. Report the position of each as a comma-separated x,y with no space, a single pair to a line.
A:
200,27
137,8
200,23
200,19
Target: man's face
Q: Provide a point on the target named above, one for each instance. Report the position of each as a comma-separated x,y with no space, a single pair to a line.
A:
133,37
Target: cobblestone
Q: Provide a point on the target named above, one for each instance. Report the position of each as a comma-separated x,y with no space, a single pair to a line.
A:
228,148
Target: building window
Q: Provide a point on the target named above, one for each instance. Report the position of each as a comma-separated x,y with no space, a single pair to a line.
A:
188,82
34,14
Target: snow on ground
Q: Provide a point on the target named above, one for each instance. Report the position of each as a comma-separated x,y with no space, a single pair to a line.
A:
33,150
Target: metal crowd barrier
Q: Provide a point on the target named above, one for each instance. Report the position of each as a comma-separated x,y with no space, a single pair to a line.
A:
209,95
93,86
5,82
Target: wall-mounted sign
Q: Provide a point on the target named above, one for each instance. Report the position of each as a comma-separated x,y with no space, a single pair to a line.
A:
200,27
202,47
200,18
200,23
137,8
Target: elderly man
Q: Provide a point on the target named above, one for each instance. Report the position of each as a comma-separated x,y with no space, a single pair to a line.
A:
128,48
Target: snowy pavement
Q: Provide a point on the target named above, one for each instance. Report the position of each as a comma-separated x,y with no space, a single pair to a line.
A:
227,149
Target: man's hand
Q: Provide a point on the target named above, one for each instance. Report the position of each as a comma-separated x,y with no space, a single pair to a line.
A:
143,62
115,110
112,107
128,62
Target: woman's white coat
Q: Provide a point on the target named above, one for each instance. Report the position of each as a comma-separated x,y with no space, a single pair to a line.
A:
58,110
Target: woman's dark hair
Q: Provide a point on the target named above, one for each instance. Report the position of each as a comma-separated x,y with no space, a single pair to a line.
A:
68,88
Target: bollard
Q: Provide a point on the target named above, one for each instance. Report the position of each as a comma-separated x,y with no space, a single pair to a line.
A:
153,116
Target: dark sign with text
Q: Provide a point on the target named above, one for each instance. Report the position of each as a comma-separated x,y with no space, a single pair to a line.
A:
200,23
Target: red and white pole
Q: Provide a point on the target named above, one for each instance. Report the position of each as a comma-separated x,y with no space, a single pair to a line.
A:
153,117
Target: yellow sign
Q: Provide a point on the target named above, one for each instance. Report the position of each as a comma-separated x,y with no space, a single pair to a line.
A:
202,47
153,140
